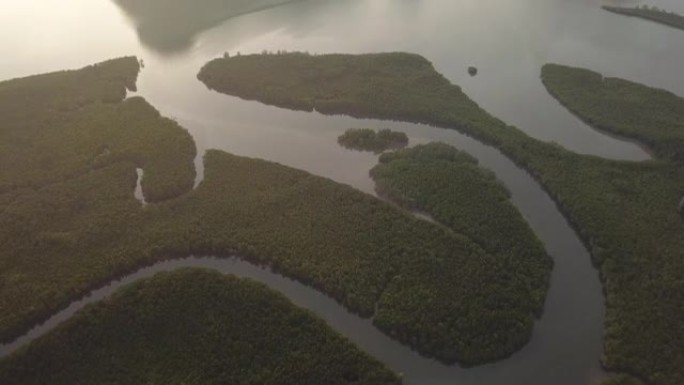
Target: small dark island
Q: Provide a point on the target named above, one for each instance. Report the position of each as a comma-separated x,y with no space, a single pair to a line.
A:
366,139
655,14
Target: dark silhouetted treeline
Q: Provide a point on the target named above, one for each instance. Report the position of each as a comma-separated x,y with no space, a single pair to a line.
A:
191,327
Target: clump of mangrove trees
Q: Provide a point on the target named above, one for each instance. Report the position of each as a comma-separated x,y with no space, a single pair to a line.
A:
79,225
367,139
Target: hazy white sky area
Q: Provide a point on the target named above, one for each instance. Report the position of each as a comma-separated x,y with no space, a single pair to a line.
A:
46,35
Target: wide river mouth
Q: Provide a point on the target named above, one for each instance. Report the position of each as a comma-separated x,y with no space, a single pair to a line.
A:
508,40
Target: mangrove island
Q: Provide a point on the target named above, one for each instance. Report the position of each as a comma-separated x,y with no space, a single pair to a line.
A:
367,139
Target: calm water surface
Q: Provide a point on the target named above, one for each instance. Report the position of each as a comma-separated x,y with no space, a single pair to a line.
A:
508,40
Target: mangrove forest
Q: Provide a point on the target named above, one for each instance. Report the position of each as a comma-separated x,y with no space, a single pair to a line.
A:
625,212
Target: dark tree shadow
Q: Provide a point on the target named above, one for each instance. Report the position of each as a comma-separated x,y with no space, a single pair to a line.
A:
171,26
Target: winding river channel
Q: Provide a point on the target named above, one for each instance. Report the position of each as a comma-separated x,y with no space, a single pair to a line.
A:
508,40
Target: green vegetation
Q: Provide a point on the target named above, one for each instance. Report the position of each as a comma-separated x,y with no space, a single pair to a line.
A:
448,185
79,225
626,213
650,13
366,139
652,116
193,327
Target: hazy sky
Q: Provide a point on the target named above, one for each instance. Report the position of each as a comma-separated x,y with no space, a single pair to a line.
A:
32,32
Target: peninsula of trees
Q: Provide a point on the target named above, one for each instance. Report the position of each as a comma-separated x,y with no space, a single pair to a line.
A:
655,14
193,327
620,107
626,213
